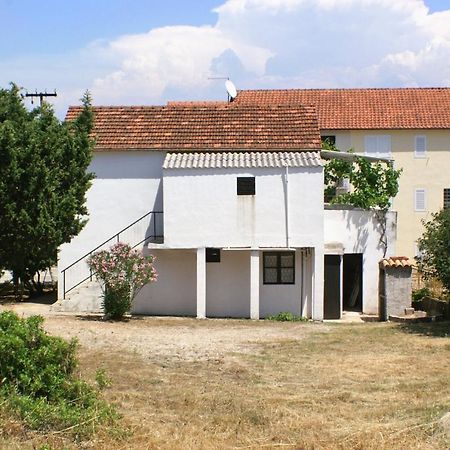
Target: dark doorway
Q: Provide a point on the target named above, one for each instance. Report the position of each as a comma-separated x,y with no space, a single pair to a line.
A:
352,282
332,287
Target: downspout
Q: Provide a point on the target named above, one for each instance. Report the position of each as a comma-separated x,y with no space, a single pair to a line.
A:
302,287
286,201
313,282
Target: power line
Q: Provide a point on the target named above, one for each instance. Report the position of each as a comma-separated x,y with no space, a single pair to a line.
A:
40,95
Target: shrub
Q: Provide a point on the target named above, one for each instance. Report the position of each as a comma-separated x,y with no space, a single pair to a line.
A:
435,248
286,316
419,294
38,380
122,272
116,302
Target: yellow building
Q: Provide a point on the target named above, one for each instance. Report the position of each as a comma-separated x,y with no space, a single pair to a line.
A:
409,125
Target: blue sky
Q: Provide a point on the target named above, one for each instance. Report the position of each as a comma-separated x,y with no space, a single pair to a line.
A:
30,26
148,52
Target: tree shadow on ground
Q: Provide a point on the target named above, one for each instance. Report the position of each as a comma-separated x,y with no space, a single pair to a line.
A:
7,296
431,329
101,318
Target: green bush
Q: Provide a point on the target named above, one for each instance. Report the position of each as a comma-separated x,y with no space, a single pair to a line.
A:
419,294
287,317
38,380
116,302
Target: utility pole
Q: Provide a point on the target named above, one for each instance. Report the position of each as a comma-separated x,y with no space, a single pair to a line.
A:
41,96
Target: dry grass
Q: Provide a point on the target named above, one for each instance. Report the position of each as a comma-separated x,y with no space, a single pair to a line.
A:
345,386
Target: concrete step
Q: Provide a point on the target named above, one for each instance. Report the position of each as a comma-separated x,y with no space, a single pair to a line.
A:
418,316
86,298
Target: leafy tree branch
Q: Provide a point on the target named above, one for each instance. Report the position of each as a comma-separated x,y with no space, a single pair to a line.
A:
43,182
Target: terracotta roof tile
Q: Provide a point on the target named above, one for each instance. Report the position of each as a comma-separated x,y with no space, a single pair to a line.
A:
352,109
227,126
396,261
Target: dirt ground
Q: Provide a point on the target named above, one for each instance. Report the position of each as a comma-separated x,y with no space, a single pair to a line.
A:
156,338
182,383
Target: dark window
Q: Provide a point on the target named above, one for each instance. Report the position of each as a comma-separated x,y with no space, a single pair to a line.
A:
213,255
329,140
447,198
246,186
279,267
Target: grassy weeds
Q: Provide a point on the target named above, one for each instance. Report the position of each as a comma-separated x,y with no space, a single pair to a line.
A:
355,387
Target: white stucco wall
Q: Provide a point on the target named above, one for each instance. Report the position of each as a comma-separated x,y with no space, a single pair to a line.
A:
175,291
228,285
358,231
127,186
283,298
201,208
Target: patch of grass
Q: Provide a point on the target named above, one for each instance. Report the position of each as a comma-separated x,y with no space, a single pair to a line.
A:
287,317
345,386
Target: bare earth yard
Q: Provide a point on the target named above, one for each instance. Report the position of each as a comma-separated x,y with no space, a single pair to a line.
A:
190,384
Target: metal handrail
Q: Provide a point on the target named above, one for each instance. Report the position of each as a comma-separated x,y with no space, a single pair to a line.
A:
114,236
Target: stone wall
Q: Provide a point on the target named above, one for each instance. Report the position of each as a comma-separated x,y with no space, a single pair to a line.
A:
396,291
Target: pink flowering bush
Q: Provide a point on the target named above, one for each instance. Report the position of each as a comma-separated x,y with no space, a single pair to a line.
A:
122,272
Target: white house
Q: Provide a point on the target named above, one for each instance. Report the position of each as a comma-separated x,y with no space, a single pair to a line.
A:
229,198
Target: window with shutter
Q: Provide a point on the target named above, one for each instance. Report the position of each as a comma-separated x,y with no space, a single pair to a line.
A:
384,145
378,145
420,148
420,200
370,145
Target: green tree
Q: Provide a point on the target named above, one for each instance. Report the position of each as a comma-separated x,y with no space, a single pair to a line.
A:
435,247
373,183
43,182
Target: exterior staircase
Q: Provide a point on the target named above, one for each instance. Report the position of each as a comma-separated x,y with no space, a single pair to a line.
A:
80,290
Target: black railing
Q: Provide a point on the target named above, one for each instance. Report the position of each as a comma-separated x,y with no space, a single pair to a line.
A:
153,233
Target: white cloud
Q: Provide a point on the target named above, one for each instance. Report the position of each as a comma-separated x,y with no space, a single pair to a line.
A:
171,58
285,43
264,43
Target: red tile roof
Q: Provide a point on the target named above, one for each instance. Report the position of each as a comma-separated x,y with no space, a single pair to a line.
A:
353,109
213,127
396,261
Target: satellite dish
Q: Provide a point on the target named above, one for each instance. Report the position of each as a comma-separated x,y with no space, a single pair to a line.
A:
231,89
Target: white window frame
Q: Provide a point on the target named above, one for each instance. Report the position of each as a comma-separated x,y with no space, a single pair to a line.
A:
374,145
420,153
417,191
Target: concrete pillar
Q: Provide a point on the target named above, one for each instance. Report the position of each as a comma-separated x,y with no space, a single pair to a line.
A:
254,284
341,284
318,280
201,283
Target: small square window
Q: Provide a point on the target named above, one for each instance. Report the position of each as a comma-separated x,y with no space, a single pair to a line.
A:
331,140
279,267
246,186
213,255
447,198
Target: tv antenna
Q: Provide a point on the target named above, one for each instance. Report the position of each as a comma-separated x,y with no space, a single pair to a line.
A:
40,95
231,90
229,86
